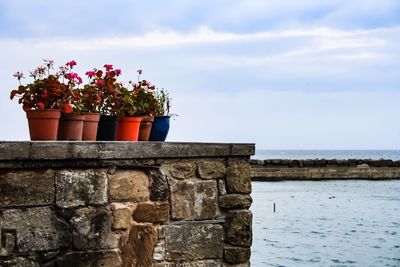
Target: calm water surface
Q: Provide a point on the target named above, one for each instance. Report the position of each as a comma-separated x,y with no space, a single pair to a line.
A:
326,223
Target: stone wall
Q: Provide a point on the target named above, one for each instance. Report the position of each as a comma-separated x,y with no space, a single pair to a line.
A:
124,204
322,169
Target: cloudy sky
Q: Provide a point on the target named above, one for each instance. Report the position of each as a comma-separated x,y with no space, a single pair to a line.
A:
284,74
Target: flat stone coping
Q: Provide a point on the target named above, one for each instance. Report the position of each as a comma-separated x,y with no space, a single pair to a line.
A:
66,150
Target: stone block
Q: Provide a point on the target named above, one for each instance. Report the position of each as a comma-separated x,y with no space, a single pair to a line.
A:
121,215
194,199
238,178
81,187
159,251
221,187
239,228
180,170
26,188
211,169
235,255
91,229
190,242
235,201
7,243
139,247
107,258
202,263
159,190
37,229
154,212
129,185
18,262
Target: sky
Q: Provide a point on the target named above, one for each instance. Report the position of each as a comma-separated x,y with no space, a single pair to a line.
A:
301,74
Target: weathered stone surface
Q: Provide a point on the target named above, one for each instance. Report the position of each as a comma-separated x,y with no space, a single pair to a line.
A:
138,249
122,216
81,187
7,243
159,251
18,262
193,242
154,212
194,199
159,190
26,188
236,255
235,201
238,178
91,229
129,185
180,170
202,263
108,258
63,150
37,229
211,169
239,228
222,187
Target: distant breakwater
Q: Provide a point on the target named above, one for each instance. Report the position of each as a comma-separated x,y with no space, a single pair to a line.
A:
324,169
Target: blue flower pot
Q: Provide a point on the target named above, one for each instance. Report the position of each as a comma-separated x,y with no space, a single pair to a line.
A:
160,128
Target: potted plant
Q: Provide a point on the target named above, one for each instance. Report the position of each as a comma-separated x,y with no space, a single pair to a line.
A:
104,82
162,117
147,105
129,121
42,101
71,121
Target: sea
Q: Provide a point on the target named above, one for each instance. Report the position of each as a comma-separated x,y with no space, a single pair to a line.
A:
326,223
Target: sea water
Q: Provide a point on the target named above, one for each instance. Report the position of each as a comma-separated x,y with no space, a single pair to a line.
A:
326,223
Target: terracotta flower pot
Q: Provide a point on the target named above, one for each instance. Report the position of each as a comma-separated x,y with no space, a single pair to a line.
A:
128,129
43,124
90,126
71,127
160,128
145,128
107,128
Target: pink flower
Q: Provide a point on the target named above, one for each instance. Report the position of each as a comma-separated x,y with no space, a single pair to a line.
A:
79,79
118,71
100,83
90,74
71,63
108,66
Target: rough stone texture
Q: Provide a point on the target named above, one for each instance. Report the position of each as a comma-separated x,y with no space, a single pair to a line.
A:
222,187
129,185
194,199
154,212
26,188
37,229
110,258
121,216
18,262
211,169
180,170
138,251
91,229
236,255
159,251
235,201
7,243
239,228
159,190
193,242
76,188
238,178
202,263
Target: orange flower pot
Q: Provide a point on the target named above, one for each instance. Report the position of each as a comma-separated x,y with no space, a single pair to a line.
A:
145,128
43,124
90,126
71,127
128,129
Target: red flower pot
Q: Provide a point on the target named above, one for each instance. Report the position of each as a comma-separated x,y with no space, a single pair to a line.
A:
145,128
43,124
71,127
128,129
90,126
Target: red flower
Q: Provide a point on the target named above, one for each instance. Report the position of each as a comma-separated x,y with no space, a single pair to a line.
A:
71,63
108,66
100,83
67,108
99,73
90,74
40,105
79,79
118,71
44,95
